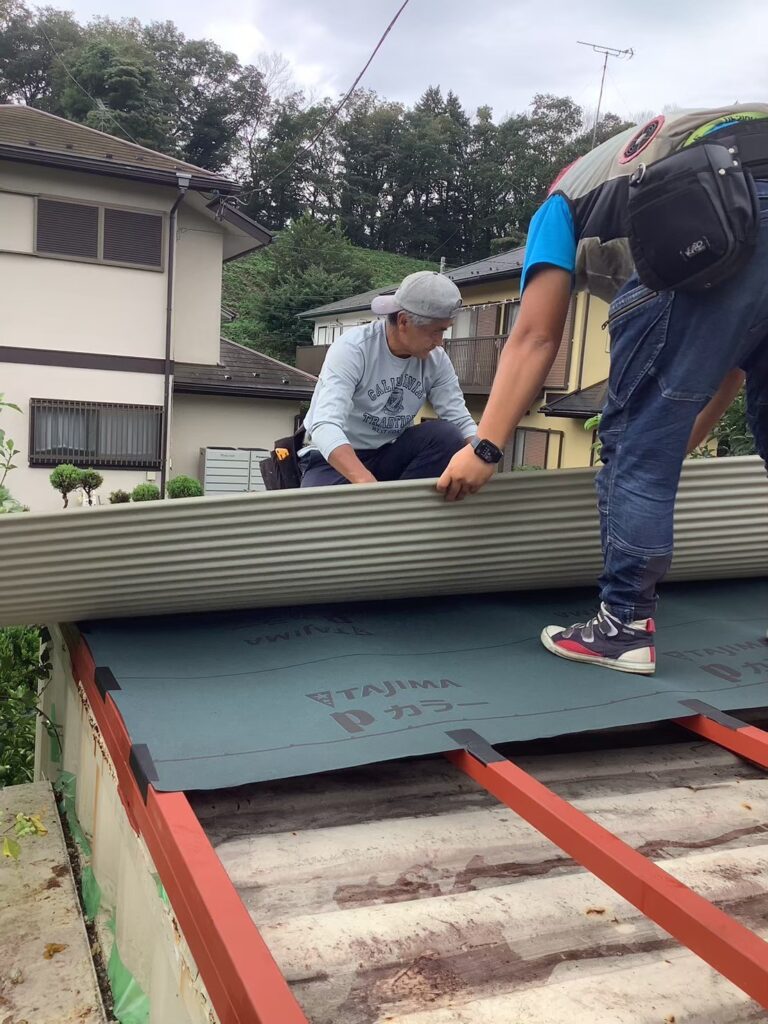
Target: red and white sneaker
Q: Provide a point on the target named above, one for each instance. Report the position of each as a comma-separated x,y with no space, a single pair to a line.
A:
606,641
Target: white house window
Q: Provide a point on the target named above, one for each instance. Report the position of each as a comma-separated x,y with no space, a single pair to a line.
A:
99,234
105,434
322,333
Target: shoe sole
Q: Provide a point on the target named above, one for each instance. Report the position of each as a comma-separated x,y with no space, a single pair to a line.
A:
634,667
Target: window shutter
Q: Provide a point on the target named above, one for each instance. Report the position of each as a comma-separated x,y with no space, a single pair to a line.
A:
535,448
67,229
487,320
558,375
131,237
531,448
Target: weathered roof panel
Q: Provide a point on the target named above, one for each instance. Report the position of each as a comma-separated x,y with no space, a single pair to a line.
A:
404,893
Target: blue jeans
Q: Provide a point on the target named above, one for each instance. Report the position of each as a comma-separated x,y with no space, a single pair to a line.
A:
669,354
422,451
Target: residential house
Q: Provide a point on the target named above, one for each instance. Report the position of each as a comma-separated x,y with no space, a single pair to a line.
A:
110,263
552,435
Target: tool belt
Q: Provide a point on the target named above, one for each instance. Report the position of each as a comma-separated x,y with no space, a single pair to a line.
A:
281,468
693,217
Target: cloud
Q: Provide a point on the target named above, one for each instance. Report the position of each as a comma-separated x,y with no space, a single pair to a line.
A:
496,52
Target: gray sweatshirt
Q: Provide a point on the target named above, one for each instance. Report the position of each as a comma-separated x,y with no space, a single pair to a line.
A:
367,397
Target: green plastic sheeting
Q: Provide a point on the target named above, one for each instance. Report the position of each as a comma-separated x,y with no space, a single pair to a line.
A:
131,1005
221,700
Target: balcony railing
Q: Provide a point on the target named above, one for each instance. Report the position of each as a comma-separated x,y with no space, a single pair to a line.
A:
474,359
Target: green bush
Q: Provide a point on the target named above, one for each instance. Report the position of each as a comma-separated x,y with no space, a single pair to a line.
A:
184,487
23,666
8,503
65,479
145,492
119,497
90,480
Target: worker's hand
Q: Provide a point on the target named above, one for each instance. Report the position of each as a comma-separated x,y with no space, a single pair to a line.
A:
466,474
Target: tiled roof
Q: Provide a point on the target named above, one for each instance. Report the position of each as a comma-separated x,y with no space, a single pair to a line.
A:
38,137
361,301
505,264
244,372
579,405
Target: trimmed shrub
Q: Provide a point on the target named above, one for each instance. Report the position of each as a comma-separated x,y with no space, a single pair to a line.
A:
119,498
90,481
145,492
65,479
184,487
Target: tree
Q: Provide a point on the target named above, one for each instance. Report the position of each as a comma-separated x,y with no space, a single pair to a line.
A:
309,265
65,479
90,481
28,65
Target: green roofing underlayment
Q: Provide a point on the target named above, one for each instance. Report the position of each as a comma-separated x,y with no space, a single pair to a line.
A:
224,699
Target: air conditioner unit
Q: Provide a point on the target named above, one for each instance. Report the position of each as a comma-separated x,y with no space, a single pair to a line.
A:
231,470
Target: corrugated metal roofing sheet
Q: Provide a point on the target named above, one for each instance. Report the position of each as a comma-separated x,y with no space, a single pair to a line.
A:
404,893
525,530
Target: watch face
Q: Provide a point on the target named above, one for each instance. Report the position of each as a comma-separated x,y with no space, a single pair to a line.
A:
488,452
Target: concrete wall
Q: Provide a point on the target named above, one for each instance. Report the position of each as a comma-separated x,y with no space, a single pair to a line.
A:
208,421
20,382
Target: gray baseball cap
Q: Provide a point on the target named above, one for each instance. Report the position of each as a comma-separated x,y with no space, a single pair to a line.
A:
425,293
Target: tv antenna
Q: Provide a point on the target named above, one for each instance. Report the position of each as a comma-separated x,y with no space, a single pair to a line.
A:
607,51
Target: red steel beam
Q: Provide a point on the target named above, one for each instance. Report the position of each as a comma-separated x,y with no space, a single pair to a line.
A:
240,975
729,947
745,740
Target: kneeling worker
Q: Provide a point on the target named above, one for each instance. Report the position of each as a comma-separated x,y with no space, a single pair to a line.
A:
373,383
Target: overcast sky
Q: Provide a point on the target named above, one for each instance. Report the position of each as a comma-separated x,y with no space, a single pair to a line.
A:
500,52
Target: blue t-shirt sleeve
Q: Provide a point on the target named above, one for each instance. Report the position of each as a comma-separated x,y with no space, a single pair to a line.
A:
551,238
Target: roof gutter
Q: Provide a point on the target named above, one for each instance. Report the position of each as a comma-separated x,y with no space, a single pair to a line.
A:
182,182
150,175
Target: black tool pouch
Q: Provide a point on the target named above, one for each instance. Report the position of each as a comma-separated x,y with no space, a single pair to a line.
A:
693,218
282,473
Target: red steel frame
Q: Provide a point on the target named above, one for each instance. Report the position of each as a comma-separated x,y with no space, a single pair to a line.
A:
240,975
745,740
244,982
733,950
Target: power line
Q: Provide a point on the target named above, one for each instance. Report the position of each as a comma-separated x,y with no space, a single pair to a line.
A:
442,244
97,103
334,113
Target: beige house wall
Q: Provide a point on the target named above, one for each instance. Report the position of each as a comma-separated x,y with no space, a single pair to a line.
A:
68,305
208,421
21,382
197,288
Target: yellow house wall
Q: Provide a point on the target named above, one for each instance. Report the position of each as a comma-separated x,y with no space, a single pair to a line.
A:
589,365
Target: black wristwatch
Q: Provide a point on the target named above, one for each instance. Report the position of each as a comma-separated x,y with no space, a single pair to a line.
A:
487,451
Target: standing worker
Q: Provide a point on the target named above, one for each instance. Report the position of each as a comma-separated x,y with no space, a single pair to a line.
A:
670,224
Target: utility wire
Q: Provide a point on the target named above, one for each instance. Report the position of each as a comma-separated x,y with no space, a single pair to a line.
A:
99,105
333,114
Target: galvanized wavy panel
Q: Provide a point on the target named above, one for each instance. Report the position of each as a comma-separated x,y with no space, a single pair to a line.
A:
526,530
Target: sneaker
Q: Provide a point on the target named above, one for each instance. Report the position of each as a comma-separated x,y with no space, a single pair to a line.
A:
606,641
